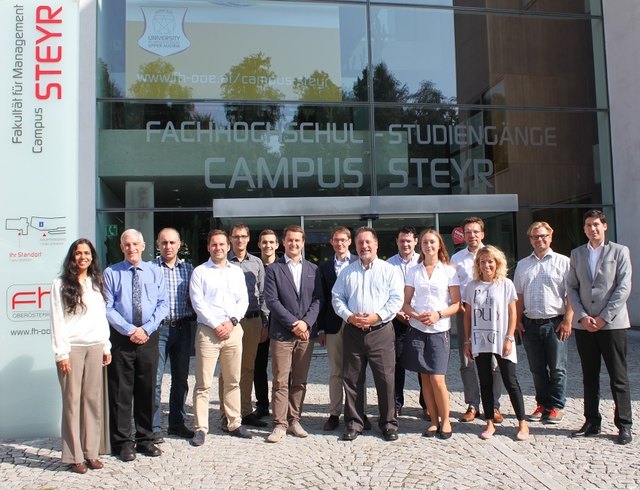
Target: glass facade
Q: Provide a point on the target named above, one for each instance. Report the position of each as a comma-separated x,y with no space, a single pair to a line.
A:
201,101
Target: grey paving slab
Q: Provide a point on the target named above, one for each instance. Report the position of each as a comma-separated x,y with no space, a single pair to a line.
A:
549,459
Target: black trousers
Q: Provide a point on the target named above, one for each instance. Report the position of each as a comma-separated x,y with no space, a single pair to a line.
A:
610,345
509,379
260,382
132,385
376,348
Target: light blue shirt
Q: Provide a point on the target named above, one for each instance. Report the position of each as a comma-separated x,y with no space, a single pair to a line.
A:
118,285
378,289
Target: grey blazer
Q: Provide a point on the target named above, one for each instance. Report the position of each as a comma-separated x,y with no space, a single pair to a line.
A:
605,294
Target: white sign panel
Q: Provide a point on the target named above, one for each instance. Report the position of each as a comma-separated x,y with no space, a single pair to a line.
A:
39,188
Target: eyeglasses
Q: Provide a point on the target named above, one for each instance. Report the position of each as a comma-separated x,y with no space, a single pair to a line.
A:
473,232
539,237
340,240
240,237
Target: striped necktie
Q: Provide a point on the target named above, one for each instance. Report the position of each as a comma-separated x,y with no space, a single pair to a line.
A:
137,298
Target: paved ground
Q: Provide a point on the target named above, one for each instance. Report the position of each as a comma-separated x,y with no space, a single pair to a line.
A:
550,459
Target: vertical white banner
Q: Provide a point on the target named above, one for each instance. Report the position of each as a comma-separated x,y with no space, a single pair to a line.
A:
39,188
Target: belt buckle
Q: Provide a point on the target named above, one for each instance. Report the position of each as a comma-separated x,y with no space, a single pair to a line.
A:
367,329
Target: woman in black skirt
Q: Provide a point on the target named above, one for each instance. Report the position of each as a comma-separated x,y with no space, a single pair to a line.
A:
431,297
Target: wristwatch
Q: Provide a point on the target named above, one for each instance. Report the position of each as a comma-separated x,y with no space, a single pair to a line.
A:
233,320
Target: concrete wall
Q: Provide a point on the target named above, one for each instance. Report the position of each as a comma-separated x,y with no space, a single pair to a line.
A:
622,40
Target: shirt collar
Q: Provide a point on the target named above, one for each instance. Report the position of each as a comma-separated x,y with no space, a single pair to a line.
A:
160,261
288,260
550,253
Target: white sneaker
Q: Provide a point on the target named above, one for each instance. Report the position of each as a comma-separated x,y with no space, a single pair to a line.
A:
297,430
277,435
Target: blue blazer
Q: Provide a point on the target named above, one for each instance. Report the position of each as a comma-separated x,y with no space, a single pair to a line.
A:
328,321
285,305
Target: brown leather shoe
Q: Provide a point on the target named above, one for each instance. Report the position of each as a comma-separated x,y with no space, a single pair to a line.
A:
95,464
470,414
79,468
498,418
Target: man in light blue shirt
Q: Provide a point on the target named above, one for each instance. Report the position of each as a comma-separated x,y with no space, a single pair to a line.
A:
367,295
137,302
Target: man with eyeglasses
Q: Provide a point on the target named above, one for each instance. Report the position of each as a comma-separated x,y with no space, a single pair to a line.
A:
462,260
252,322
330,325
544,321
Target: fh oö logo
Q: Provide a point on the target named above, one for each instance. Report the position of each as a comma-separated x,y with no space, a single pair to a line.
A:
164,31
28,302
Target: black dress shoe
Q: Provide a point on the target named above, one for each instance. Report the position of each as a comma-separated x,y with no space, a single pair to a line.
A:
390,434
366,423
148,449
588,429
332,423
261,412
624,436
253,421
241,432
127,453
350,435
180,431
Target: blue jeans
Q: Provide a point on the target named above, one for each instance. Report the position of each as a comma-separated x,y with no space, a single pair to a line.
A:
547,356
174,346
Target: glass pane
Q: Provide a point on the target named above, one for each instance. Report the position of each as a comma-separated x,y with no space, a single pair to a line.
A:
444,151
387,230
192,226
443,56
193,153
318,234
498,231
232,51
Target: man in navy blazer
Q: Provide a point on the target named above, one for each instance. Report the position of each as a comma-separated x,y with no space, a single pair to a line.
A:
330,325
598,286
293,301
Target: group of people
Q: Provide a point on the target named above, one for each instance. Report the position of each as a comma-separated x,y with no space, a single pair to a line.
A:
390,315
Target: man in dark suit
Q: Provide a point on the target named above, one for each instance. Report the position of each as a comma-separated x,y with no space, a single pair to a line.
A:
330,325
599,284
293,301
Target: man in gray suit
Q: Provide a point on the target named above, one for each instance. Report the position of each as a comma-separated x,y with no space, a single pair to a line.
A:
293,299
599,284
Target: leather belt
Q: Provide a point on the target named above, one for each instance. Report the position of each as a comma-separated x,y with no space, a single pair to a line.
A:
252,314
372,328
543,321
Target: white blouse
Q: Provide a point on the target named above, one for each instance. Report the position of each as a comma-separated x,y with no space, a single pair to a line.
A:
80,329
431,293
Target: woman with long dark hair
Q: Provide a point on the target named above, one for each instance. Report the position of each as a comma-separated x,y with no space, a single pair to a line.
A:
80,342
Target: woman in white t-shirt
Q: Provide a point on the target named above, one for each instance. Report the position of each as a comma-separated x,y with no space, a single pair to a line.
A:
431,297
80,342
489,326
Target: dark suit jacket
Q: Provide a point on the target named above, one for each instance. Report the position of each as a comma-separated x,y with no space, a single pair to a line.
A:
328,321
286,306
606,293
